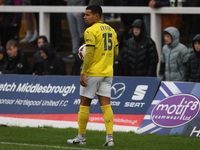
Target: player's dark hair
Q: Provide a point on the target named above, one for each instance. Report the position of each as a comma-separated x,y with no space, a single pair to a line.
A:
95,9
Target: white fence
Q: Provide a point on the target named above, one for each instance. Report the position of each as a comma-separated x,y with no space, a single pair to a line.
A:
155,15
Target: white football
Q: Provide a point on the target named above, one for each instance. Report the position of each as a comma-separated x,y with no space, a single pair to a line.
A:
81,51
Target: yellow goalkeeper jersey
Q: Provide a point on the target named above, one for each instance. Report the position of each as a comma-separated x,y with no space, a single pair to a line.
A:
104,40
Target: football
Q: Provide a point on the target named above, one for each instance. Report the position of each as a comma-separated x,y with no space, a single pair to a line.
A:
81,51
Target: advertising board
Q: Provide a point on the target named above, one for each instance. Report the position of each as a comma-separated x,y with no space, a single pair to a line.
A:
56,98
175,110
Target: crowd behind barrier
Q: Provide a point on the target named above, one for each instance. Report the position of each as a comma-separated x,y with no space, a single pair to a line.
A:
155,15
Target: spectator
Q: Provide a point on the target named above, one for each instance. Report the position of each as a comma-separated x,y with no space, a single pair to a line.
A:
10,23
174,56
192,21
31,25
2,58
141,57
55,22
56,27
53,63
37,67
128,19
76,26
193,65
17,62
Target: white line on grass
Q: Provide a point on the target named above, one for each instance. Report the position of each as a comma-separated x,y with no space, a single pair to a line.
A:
47,146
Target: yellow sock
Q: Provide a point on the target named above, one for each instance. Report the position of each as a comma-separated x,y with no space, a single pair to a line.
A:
83,117
108,118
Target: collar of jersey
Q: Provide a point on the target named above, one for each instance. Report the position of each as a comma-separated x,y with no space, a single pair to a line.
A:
100,22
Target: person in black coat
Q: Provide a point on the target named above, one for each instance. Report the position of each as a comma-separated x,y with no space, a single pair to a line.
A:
37,66
193,65
52,63
127,19
140,57
16,62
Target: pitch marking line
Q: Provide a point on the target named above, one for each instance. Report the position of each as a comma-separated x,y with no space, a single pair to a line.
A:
46,146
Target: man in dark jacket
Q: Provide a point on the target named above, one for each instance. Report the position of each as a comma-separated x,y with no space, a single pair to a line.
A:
53,64
141,57
193,65
17,62
127,19
37,67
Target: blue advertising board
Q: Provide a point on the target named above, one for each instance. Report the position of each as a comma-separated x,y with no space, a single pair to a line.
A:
57,98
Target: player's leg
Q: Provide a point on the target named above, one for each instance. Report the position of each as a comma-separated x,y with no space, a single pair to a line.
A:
83,117
108,119
104,93
86,96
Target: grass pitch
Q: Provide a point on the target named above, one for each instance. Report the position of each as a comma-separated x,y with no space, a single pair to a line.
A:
47,138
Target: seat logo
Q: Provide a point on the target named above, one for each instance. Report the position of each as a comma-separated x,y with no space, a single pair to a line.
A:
140,92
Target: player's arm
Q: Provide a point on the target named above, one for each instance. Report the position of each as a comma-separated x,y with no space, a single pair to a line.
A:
88,58
86,63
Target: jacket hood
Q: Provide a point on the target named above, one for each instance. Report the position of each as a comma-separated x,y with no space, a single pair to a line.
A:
43,37
48,49
139,24
196,38
175,34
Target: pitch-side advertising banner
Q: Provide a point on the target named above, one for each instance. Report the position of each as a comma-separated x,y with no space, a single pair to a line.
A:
175,110
56,98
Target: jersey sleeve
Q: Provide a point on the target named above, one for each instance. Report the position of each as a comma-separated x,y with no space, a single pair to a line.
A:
89,38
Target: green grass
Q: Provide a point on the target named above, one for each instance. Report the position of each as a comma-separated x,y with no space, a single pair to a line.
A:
47,138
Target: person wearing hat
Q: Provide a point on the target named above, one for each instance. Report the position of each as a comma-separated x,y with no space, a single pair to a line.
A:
140,57
52,63
37,65
193,64
174,56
